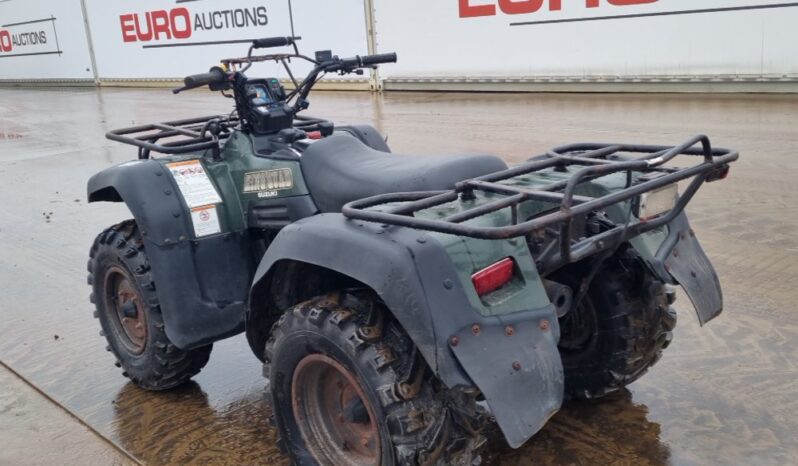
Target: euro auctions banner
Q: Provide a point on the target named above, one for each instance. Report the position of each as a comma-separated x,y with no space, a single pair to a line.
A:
588,38
42,39
161,39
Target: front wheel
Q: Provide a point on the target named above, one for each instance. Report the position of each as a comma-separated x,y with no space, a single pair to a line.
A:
618,330
348,388
123,292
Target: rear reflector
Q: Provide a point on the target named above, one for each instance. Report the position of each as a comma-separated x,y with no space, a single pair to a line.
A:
493,277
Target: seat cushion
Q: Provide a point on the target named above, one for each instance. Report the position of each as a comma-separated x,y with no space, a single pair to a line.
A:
341,169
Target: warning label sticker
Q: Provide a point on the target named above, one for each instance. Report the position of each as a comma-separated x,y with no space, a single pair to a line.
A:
194,184
205,220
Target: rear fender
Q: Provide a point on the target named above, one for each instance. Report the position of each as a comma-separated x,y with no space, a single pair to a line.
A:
672,253
676,257
512,359
202,284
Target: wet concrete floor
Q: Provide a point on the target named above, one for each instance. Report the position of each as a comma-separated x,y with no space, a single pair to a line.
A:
725,394
36,432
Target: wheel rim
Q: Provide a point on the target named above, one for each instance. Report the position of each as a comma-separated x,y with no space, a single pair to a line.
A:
334,416
578,327
125,310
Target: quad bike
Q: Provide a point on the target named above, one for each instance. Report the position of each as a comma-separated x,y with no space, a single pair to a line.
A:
399,304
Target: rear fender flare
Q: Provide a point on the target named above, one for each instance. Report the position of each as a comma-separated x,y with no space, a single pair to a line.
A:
416,278
386,261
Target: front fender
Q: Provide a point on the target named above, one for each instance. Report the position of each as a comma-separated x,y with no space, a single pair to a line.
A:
512,358
202,284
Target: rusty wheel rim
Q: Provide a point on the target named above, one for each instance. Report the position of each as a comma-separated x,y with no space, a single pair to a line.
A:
126,311
334,416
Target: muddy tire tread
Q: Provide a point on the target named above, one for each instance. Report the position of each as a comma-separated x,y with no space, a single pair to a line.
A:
425,430
639,328
168,366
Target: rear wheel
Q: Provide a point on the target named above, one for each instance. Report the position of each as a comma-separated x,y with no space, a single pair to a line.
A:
618,330
123,292
349,388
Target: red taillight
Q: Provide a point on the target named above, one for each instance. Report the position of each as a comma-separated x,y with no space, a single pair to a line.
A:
315,135
720,173
493,277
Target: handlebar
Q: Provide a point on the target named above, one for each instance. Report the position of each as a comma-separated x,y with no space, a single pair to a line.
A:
269,42
348,64
371,60
216,74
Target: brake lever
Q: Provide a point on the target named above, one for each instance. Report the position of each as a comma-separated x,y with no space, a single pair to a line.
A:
358,71
180,89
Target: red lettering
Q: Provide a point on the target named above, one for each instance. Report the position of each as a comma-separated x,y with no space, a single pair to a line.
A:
160,24
127,27
156,25
6,45
144,36
630,2
520,7
467,10
178,32
595,3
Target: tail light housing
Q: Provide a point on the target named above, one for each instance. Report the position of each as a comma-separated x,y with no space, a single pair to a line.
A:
493,277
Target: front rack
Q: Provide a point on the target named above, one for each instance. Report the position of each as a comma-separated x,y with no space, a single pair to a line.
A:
598,160
176,137
190,135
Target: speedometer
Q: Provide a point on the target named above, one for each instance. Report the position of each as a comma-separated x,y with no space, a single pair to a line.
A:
260,95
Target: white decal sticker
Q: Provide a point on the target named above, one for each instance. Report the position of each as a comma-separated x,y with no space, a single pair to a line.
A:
267,194
194,184
206,221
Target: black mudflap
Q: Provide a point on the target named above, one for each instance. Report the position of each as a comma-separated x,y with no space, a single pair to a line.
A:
687,263
517,367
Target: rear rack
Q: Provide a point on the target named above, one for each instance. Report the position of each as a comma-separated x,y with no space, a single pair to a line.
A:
189,136
597,159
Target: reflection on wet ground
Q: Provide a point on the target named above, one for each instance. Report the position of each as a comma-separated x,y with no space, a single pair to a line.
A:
724,394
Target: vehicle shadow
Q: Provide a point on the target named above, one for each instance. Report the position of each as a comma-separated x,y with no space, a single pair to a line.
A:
613,430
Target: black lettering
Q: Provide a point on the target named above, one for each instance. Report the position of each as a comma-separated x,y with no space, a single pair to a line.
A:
242,22
251,16
217,14
226,14
263,19
198,23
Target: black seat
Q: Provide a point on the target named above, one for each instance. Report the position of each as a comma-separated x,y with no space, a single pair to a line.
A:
340,169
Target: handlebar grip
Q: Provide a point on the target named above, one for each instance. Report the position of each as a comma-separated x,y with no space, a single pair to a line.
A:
216,74
273,42
371,60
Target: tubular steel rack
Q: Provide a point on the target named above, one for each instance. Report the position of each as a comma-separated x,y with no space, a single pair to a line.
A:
190,135
184,136
597,160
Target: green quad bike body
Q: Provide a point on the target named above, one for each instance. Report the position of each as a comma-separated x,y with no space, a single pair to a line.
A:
399,304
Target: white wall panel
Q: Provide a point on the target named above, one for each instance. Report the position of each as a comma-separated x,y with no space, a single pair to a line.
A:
42,39
433,40
157,39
